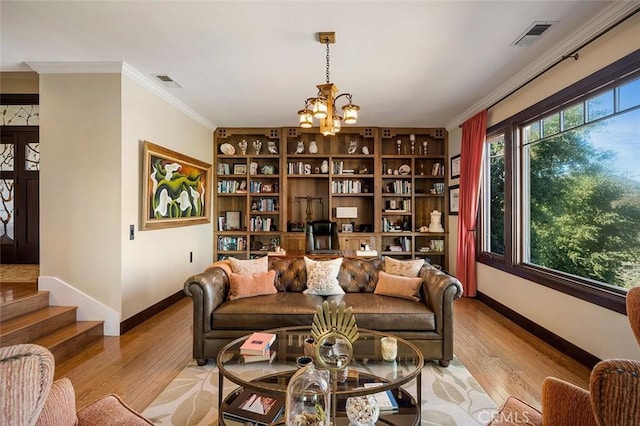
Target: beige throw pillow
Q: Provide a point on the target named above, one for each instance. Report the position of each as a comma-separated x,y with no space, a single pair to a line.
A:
395,286
249,267
322,277
403,268
251,285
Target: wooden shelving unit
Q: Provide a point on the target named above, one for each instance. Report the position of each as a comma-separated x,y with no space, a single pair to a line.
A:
382,183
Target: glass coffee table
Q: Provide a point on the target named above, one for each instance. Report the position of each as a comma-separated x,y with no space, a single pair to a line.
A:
367,366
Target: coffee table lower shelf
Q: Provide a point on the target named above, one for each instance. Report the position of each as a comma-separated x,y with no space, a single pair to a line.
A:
408,413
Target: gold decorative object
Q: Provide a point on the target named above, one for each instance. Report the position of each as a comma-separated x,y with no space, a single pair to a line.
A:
334,328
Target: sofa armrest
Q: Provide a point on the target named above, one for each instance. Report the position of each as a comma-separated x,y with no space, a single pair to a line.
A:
208,290
439,290
564,403
60,407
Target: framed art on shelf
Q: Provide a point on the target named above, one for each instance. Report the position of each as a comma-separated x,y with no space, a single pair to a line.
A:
239,169
176,189
455,167
347,227
454,199
232,220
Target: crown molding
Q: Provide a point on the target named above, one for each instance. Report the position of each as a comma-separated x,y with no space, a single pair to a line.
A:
126,70
600,23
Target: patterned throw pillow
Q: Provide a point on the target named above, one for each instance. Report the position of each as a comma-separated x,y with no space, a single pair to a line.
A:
322,277
249,267
403,268
395,286
251,285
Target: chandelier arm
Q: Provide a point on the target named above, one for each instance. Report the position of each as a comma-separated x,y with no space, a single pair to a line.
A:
348,95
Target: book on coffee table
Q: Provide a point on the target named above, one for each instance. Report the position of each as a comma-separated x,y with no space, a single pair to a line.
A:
269,356
257,344
254,408
385,399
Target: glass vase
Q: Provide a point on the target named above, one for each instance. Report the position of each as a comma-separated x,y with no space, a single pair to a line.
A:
308,398
362,410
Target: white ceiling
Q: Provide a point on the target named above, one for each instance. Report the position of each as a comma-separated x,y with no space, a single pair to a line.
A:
252,63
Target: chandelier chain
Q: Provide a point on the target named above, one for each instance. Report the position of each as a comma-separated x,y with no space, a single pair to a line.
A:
328,77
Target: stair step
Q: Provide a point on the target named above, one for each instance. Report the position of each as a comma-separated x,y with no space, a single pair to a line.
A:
23,305
34,325
71,338
10,290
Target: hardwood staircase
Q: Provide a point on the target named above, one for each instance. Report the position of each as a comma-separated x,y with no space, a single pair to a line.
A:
27,317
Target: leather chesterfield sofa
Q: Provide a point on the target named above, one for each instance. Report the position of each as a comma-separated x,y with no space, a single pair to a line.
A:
428,324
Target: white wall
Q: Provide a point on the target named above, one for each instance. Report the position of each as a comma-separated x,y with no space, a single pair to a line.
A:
455,141
91,128
80,181
599,331
156,263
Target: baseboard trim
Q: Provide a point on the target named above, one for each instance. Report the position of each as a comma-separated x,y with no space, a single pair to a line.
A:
564,346
141,317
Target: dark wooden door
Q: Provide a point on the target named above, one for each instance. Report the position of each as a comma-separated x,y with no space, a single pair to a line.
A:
19,194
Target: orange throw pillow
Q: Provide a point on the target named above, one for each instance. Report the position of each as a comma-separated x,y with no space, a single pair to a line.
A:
252,285
395,286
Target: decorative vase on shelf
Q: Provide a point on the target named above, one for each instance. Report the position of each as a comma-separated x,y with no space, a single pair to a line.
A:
362,410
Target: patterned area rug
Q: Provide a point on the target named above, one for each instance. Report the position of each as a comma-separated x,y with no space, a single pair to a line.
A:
450,396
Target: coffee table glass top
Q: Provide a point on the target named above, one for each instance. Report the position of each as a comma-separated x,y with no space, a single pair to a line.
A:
367,364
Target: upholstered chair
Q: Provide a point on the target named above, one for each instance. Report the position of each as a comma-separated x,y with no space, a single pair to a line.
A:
613,398
29,396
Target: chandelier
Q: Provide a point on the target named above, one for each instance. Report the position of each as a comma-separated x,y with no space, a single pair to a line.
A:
323,105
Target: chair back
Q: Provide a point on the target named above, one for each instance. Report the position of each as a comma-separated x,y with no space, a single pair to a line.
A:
615,392
322,235
26,375
633,311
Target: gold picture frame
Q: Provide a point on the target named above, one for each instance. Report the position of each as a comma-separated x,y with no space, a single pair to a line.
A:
176,189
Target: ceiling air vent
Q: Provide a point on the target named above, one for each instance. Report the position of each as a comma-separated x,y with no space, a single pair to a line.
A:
532,33
166,80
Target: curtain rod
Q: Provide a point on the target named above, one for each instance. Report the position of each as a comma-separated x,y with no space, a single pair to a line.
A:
573,54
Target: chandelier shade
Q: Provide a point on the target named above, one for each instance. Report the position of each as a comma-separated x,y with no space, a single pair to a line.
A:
323,105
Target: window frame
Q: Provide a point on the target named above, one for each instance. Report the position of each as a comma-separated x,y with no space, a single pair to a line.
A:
615,74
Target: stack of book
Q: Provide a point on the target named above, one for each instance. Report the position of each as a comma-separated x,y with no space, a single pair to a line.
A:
258,348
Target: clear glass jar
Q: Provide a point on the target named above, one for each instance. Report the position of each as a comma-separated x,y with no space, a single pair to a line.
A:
308,398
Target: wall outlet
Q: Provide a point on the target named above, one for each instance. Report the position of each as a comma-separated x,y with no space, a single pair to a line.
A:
190,257
132,232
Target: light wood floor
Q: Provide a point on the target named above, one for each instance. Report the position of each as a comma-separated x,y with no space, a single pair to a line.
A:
505,359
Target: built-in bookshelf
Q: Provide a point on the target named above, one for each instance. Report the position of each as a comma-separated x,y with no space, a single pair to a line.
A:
378,184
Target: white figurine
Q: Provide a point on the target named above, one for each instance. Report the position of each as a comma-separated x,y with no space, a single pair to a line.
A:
271,146
313,147
365,150
300,147
436,225
324,168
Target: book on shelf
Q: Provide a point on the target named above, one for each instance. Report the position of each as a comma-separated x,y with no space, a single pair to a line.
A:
250,407
269,356
257,344
385,399
366,253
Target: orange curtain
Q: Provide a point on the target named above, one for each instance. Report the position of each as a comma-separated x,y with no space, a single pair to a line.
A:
474,132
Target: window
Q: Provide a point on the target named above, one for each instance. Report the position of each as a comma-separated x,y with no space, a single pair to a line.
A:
494,175
575,221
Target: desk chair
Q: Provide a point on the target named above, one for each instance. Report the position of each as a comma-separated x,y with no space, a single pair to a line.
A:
322,237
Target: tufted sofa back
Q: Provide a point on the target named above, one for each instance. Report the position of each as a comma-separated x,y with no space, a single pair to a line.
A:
356,275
